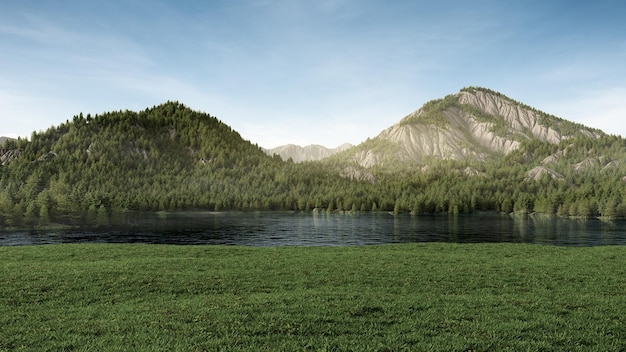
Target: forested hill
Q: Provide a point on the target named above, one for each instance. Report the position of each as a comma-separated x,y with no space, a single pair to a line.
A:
97,169
164,158
166,136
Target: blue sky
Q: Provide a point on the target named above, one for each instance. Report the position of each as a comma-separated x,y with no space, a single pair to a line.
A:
304,72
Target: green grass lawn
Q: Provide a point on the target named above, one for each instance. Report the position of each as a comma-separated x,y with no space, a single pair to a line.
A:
409,297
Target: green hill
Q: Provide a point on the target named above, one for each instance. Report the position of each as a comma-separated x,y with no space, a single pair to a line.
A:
164,158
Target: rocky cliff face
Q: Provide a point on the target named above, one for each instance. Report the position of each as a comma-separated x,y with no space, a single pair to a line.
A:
6,155
475,123
519,119
307,153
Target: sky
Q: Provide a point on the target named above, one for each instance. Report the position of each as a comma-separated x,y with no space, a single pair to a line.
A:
307,72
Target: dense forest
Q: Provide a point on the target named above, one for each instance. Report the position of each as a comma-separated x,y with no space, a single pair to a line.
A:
95,170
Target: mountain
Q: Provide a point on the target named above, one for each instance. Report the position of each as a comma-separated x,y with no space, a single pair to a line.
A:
476,123
476,150
308,153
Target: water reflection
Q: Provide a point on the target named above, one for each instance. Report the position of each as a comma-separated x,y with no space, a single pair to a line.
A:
330,229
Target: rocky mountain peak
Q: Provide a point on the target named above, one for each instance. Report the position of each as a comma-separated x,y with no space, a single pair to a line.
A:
518,118
475,123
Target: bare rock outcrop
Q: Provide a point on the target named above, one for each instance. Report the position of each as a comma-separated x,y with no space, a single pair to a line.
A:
599,162
7,155
518,118
554,158
354,173
538,172
47,156
588,163
367,158
462,137
611,164
472,172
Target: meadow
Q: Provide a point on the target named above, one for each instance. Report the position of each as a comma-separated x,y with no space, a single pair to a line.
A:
408,297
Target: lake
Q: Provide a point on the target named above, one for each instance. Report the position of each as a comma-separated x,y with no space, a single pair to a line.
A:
324,229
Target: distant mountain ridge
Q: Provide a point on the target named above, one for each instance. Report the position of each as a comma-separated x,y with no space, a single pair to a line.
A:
4,139
476,124
307,153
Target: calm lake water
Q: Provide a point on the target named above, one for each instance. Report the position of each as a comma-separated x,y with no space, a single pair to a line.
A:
306,229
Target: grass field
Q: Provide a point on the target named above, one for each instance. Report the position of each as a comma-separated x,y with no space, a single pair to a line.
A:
409,297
